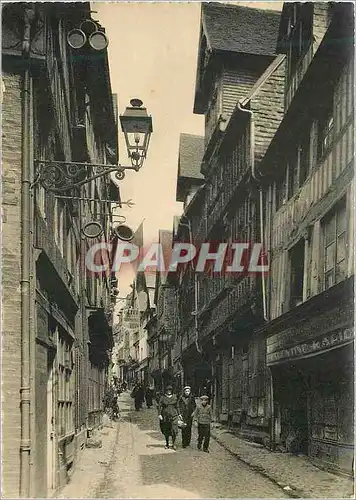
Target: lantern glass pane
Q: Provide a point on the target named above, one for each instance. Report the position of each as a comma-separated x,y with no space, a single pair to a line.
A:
131,125
136,139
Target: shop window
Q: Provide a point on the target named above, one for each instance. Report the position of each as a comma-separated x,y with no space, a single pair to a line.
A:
332,412
296,258
334,232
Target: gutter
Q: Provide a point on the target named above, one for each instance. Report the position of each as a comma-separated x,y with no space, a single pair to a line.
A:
253,172
26,261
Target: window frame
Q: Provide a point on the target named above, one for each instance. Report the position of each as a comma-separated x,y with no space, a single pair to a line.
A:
299,34
293,299
326,133
332,217
66,385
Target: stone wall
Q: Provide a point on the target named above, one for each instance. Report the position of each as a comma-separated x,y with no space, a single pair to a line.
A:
11,275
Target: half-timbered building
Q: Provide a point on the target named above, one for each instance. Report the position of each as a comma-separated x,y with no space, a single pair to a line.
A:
57,106
241,74
189,367
307,177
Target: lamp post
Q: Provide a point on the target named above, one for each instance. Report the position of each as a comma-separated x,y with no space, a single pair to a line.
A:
60,176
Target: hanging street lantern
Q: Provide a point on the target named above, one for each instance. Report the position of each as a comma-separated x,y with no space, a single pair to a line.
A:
58,176
136,125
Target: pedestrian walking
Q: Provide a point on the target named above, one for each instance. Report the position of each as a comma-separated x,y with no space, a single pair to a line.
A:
149,396
186,407
168,416
138,395
203,416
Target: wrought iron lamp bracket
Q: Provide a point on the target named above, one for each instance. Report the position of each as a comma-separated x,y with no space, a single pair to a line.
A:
60,176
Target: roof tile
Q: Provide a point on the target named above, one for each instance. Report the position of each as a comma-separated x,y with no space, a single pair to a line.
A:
241,29
191,152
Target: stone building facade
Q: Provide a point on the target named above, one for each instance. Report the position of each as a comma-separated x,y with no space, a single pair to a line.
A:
54,362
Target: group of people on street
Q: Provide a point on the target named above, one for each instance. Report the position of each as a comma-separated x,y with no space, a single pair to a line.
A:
175,413
111,396
140,394
120,385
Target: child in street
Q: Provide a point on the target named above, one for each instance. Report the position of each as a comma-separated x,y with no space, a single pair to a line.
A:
203,416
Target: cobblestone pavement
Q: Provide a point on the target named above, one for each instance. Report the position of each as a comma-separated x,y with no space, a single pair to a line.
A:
295,473
142,468
133,463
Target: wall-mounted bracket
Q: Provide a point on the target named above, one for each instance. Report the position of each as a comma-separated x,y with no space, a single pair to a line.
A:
59,176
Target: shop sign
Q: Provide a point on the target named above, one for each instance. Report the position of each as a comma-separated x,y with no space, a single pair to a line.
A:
324,343
331,320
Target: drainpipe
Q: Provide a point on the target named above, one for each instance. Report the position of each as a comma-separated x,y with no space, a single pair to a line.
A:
26,248
253,172
273,423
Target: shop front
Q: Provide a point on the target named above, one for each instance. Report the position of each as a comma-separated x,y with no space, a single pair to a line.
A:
311,361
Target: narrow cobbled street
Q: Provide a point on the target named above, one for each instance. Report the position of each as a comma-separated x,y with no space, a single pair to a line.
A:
142,468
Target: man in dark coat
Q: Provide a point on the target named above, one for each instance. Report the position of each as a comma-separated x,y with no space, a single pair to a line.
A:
187,407
149,396
138,394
